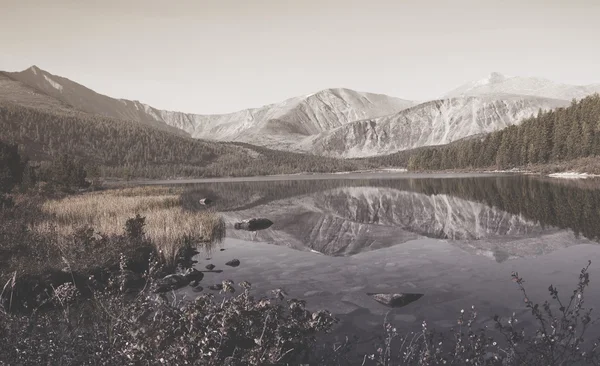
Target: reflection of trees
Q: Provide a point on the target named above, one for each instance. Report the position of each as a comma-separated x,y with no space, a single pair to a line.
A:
547,202
550,204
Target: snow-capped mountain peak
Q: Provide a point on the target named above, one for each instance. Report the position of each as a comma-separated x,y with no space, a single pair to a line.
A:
493,78
497,83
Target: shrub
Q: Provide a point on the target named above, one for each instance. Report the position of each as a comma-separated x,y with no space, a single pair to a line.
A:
134,227
558,339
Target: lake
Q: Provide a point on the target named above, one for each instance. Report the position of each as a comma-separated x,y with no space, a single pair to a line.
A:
455,239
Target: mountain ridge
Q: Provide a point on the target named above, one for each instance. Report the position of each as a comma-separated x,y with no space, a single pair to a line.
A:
335,122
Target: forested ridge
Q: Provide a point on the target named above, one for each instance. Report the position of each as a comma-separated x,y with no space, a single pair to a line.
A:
552,136
128,149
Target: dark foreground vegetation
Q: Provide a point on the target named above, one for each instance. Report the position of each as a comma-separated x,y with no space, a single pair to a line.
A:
83,296
113,327
560,138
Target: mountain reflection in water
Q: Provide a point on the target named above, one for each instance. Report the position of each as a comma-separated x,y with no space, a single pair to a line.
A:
500,217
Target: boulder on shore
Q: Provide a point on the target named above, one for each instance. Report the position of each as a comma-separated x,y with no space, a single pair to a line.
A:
395,300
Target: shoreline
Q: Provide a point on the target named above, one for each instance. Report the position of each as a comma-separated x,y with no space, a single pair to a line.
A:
383,173
377,174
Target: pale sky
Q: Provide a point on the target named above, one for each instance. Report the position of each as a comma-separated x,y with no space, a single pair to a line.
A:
206,56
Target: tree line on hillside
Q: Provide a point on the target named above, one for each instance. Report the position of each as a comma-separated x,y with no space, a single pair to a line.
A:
64,173
128,149
552,136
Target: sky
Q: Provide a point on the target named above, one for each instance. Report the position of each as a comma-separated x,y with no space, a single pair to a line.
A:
205,56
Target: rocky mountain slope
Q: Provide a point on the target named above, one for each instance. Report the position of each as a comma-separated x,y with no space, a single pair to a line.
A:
282,124
432,123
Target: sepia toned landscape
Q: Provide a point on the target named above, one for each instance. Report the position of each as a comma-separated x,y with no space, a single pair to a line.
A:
317,183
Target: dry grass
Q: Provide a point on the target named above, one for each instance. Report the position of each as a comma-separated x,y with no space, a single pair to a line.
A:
168,226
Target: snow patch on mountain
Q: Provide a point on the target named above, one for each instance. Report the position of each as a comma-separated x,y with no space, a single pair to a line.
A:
54,84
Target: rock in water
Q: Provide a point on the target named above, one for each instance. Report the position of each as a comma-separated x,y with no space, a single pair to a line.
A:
170,282
210,267
197,289
233,263
193,276
254,224
216,287
177,281
395,300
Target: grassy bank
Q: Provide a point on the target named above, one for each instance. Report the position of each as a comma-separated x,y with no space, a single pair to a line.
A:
45,242
168,227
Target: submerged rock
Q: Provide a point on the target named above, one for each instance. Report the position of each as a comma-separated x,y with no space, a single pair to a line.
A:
395,300
210,267
194,276
253,224
170,282
197,289
217,287
233,263
177,281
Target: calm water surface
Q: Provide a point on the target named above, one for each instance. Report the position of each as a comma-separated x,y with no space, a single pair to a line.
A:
454,239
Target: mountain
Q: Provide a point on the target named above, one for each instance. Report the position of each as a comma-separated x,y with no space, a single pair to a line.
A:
281,125
497,83
432,123
278,125
14,91
83,99
339,122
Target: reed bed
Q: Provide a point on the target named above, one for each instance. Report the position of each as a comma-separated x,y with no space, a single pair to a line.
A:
168,226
